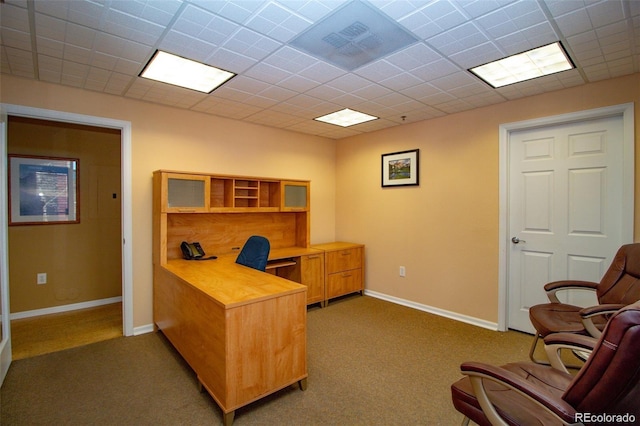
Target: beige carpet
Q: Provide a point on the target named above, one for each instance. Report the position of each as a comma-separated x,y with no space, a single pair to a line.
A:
370,362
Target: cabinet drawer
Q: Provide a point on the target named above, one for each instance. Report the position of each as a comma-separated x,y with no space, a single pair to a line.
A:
344,260
342,283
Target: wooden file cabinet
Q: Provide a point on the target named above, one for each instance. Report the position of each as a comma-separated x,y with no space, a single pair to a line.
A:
344,268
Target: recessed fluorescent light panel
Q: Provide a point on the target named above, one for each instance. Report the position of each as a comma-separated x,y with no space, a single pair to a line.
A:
545,60
182,72
346,117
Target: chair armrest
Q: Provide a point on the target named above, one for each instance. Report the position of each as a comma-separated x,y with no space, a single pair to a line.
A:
605,309
553,287
555,342
590,312
571,340
478,371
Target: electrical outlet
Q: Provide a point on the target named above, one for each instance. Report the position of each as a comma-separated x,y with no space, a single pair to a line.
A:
403,271
42,278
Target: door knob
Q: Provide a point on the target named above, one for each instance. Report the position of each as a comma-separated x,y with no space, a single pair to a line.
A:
516,240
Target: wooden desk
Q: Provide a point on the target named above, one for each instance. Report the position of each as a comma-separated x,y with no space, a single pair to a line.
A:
242,331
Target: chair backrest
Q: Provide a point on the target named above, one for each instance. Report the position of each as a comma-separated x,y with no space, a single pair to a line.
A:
609,382
621,282
255,253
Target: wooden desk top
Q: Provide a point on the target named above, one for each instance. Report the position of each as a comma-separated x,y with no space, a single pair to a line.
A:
337,245
230,284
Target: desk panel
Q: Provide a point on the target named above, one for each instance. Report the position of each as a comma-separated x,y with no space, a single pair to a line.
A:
242,331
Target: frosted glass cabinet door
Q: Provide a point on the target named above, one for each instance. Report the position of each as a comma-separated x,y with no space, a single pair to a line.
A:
295,196
186,193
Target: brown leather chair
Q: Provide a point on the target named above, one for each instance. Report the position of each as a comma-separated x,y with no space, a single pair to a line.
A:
620,286
606,388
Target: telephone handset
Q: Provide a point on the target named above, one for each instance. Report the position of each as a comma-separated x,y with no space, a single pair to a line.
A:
193,251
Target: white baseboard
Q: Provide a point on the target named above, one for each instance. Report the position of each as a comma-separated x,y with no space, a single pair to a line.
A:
441,312
143,329
437,311
65,308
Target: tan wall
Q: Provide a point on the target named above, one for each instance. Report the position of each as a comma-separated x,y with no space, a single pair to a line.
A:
82,261
445,232
167,138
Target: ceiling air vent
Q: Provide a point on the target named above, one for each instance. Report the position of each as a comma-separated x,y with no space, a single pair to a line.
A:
353,36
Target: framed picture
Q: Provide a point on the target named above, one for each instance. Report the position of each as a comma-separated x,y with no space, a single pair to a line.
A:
401,168
43,190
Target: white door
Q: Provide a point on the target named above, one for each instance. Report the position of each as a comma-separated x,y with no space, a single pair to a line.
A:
565,209
5,324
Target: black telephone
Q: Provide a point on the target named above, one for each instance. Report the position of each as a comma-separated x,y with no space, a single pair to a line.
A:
193,251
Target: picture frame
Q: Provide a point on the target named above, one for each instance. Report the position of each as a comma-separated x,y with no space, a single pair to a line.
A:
43,190
401,168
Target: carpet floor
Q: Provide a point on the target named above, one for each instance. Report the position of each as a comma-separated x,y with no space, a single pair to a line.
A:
370,362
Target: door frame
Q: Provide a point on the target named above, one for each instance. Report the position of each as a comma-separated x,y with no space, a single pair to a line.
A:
126,186
5,342
627,113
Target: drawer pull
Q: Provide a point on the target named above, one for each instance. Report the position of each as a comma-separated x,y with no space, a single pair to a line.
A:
314,256
346,275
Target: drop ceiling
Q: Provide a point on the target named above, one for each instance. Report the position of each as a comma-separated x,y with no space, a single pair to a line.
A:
103,45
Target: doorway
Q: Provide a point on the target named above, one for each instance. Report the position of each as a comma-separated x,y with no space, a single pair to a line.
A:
126,198
566,192
80,263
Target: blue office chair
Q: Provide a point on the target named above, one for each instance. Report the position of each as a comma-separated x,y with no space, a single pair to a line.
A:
255,253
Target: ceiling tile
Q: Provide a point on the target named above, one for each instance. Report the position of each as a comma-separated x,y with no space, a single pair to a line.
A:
349,82
378,71
605,12
16,39
401,81
436,69
477,8
236,11
268,73
321,72
102,45
18,62
277,22
413,57
574,22
251,44
14,19
225,108
433,19
459,39
158,12
200,24
311,10
132,28
188,47
289,59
